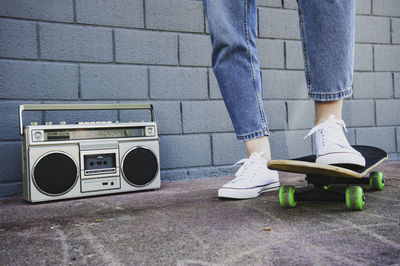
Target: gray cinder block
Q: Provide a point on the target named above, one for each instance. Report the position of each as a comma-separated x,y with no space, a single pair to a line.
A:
294,55
176,15
372,85
396,77
398,138
279,84
271,3
215,92
363,58
278,23
372,29
386,7
75,43
363,7
10,189
195,50
388,112
359,113
387,57
17,39
290,4
143,47
270,53
173,175
205,116
113,82
11,162
178,83
168,117
178,151
276,114
301,114
52,10
227,149
396,30
290,144
126,13
382,137
34,80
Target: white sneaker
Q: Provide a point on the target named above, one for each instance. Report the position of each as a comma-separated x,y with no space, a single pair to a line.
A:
252,178
332,145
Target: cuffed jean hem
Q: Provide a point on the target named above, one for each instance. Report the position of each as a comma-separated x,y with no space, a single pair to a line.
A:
258,134
325,97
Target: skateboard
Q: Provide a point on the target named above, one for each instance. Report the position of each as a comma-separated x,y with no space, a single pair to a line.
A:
321,177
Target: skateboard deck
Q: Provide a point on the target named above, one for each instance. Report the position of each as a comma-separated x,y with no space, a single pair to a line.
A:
306,165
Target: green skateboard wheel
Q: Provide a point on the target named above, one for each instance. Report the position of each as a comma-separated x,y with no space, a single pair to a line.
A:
376,181
355,199
286,197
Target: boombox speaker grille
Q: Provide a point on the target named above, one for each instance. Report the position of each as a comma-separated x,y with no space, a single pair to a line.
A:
55,174
140,166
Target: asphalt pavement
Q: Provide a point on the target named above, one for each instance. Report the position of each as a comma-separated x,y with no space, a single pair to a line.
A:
184,223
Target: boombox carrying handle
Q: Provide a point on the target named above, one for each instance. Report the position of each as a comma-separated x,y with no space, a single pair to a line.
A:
64,107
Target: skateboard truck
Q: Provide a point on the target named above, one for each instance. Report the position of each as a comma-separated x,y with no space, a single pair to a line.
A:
321,190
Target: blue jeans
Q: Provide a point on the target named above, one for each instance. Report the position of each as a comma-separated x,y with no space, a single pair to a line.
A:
327,36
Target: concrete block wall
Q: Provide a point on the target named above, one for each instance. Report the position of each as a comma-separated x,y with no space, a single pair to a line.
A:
119,51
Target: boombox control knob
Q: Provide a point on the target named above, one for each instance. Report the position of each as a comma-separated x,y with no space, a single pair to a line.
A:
63,122
149,131
49,123
37,135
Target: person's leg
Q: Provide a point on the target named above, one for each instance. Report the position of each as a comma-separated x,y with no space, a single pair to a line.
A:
259,145
233,30
327,35
324,109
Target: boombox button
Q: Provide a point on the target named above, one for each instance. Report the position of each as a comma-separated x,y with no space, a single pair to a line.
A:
150,131
37,135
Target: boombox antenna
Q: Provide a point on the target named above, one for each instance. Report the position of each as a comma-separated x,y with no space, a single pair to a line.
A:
64,107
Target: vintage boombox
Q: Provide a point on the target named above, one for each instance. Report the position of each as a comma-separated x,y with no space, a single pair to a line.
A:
88,158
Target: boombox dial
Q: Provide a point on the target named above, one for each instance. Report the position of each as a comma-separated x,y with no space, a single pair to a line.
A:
55,173
139,166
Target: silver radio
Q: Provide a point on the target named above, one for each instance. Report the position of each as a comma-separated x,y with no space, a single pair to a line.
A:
88,158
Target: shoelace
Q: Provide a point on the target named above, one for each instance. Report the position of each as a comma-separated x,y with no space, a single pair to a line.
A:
329,131
255,158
